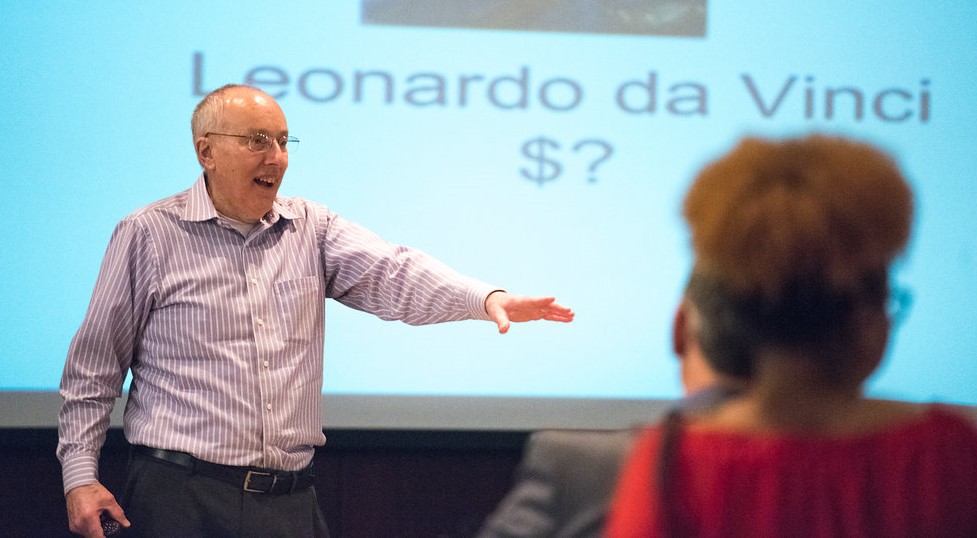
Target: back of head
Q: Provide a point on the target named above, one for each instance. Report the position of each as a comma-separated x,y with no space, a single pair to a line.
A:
790,239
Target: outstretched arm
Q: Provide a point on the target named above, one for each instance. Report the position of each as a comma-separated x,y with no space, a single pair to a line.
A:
504,308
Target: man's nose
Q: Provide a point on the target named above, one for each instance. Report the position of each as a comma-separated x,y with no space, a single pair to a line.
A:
275,153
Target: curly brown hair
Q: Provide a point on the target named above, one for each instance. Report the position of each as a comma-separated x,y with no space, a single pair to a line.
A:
789,237
817,207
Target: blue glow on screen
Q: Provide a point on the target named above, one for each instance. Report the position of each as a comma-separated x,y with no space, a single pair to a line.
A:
546,162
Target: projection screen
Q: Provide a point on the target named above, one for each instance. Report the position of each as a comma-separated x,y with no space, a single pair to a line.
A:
541,146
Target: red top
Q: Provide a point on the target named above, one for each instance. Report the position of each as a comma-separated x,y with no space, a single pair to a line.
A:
917,479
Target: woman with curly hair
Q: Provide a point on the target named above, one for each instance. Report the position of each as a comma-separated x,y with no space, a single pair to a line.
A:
793,241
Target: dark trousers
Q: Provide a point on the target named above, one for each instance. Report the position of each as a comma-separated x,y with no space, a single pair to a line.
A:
165,500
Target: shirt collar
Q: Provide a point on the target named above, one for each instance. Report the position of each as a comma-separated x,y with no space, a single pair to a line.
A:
201,208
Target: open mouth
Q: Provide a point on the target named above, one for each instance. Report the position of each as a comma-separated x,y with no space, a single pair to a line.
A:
266,182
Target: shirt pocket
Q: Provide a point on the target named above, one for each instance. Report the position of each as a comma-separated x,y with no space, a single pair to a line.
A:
300,305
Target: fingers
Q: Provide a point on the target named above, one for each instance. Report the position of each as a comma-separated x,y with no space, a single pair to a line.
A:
116,512
555,312
88,526
563,317
505,309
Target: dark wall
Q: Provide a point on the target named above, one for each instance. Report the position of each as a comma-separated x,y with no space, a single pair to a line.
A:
370,483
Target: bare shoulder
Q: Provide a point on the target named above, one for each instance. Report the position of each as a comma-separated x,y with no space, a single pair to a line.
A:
874,414
894,412
897,409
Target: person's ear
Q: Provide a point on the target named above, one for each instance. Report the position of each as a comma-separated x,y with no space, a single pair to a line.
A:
205,152
680,332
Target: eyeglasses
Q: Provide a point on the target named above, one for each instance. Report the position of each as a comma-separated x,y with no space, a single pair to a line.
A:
260,142
900,301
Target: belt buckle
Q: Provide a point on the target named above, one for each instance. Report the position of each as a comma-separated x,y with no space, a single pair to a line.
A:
247,482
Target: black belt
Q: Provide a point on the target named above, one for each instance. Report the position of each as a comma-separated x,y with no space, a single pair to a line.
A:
250,479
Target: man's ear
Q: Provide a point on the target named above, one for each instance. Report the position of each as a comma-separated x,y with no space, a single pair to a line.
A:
205,152
680,332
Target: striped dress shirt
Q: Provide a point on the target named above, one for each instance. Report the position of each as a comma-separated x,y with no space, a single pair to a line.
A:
223,334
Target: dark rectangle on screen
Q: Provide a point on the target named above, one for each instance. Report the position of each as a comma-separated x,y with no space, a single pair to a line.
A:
685,18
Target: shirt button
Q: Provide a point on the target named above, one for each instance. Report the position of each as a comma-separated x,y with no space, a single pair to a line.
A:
261,322
268,407
265,364
254,280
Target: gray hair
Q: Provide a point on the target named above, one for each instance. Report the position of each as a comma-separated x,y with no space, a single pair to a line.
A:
209,109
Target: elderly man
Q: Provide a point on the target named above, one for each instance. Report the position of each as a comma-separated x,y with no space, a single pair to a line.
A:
214,299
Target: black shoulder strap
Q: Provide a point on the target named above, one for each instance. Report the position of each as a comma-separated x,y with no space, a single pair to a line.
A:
665,469
671,430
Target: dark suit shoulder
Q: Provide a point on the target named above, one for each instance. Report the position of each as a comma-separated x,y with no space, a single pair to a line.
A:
573,445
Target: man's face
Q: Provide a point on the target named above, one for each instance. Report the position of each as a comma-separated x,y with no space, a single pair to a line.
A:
243,183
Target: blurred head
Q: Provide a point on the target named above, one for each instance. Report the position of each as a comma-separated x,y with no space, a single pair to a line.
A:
242,182
696,370
793,242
